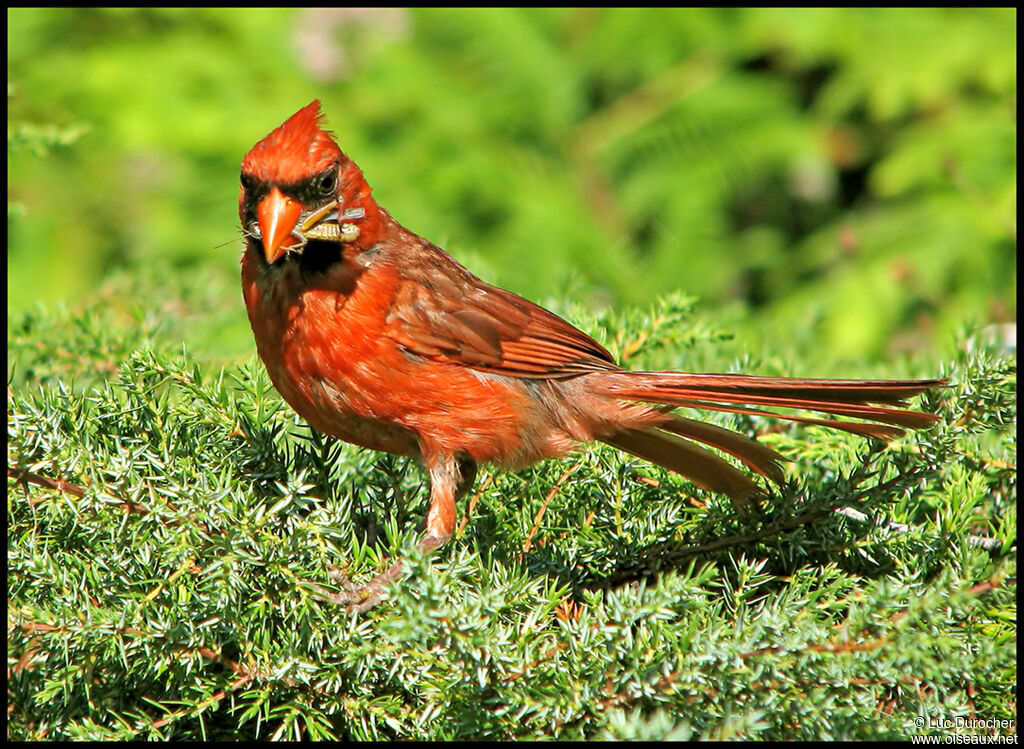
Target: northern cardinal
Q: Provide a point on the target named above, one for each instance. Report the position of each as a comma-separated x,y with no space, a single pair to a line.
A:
380,338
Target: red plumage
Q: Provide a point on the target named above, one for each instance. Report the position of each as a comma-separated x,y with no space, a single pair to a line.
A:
384,340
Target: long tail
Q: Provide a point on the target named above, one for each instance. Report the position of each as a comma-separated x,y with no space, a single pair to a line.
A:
671,444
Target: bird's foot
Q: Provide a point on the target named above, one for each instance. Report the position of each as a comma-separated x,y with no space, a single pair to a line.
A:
356,598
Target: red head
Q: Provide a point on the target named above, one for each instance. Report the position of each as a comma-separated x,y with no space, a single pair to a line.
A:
294,172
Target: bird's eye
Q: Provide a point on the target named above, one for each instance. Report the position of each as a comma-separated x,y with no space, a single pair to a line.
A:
328,183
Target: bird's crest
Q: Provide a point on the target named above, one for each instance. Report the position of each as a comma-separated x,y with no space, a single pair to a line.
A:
296,150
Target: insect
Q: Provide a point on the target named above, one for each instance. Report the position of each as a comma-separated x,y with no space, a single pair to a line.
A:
317,225
320,224
331,231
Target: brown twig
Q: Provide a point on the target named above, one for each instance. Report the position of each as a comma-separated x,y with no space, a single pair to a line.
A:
528,543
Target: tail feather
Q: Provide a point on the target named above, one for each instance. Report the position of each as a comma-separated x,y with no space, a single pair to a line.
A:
758,457
894,416
878,431
668,443
840,397
687,459
895,392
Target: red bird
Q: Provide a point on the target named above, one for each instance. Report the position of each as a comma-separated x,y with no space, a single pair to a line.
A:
380,338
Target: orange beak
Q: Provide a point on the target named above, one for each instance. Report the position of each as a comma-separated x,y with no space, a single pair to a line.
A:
277,215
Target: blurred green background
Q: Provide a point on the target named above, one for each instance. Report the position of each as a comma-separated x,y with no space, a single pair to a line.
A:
846,175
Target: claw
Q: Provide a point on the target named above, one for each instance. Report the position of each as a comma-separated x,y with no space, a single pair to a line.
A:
355,598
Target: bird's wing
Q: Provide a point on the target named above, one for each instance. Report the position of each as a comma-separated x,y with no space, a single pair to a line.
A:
441,311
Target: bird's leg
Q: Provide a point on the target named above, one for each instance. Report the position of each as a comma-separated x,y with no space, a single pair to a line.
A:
450,478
